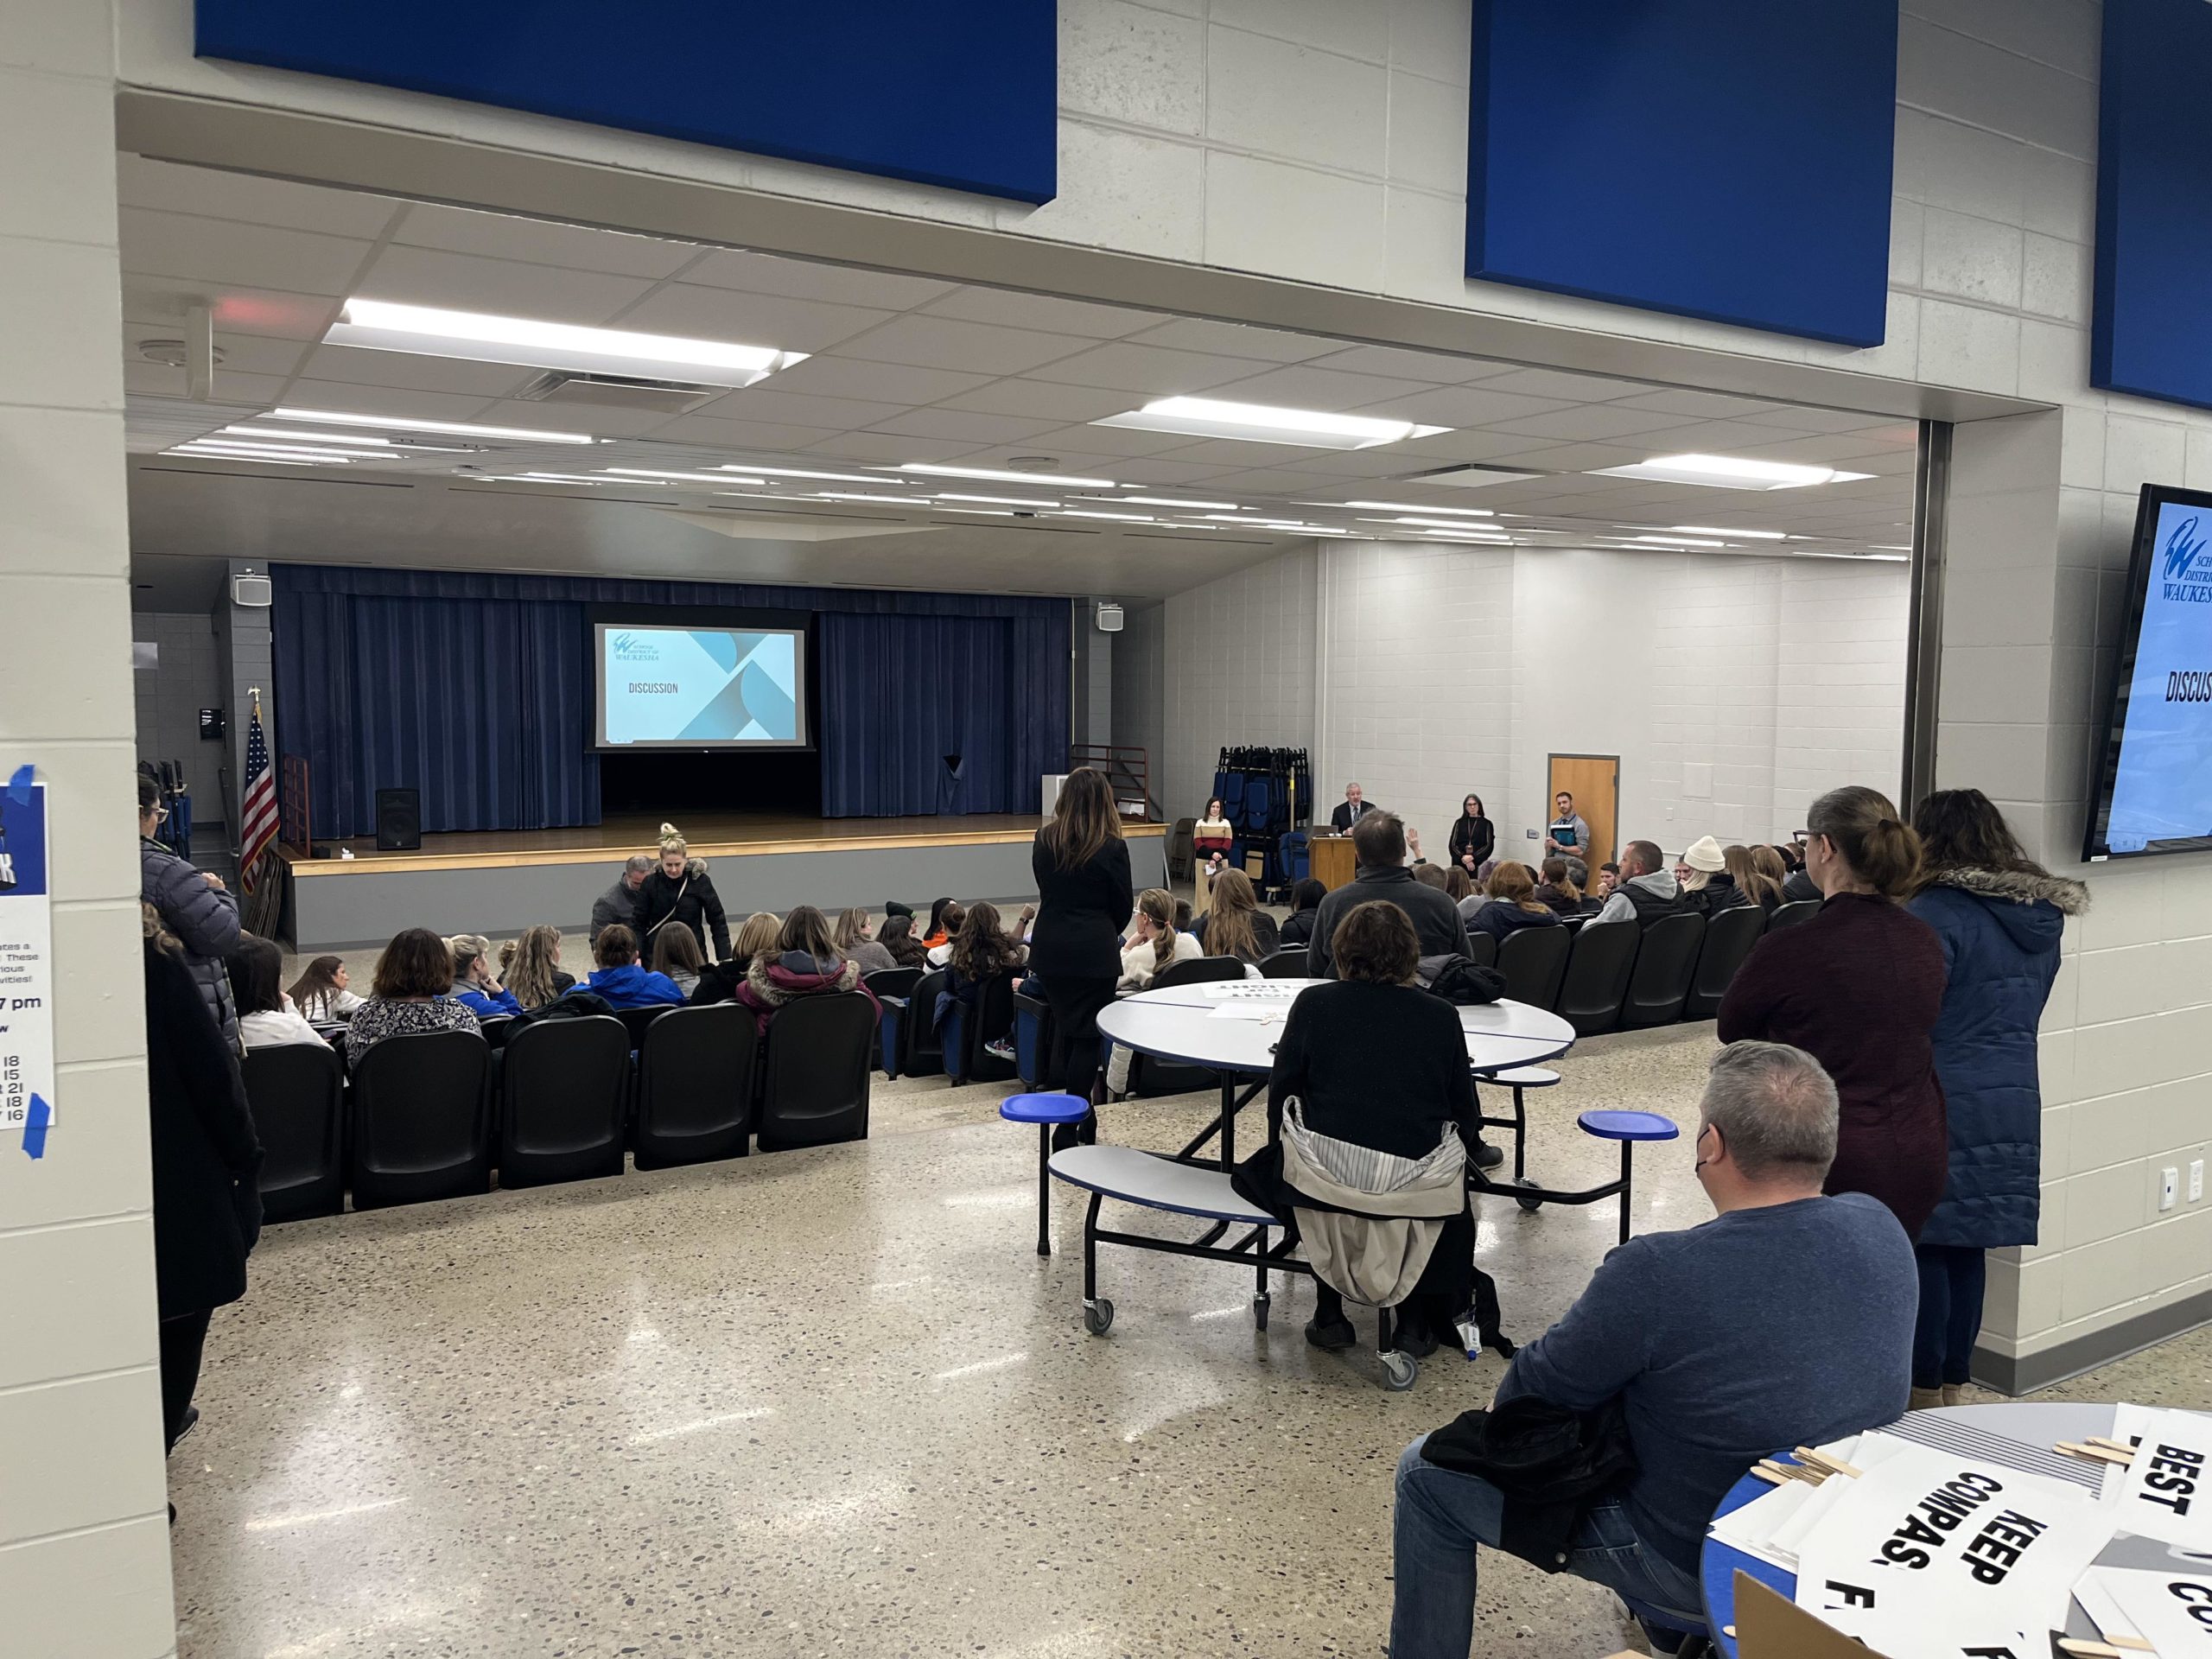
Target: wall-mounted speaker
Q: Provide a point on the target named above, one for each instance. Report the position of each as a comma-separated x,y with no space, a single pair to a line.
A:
399,820
1110,619
256,593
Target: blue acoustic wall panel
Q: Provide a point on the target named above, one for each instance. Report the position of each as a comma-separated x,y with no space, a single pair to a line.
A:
2151,329
1725,159
961,95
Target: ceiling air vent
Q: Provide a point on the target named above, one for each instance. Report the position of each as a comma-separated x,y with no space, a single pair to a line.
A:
619,392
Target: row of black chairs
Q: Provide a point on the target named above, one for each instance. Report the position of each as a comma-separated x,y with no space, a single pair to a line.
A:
431,1116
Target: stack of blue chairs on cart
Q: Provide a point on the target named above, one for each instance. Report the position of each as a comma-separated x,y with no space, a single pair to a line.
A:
1267,793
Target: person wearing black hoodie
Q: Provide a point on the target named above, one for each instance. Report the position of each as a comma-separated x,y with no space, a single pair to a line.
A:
680,890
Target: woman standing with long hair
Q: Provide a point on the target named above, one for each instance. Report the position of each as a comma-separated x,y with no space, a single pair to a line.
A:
1084,900
1860,987
1999,915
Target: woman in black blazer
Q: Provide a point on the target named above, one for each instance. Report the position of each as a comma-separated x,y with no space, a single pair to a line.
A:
1084,901
1474,838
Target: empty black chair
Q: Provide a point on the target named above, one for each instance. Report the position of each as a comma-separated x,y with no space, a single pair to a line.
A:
1151,1076
920,1054
970,1027
1729,937
564,1087
1533,961
697,1078
1181,859
1033,1036
1596,983
814,1082
893,988
892,982
634,1020
1483,948
296,1093
1788,915
1286,964
421,1119
1664,962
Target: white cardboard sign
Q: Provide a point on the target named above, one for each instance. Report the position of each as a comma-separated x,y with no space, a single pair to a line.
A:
26,971
2166,1493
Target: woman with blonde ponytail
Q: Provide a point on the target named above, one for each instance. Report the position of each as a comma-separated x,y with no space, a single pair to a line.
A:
679,890
1860,987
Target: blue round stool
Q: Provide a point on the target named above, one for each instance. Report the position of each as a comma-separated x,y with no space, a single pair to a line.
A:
1628,1128
1048,1112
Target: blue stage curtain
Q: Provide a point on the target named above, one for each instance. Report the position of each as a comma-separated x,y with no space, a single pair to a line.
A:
476,688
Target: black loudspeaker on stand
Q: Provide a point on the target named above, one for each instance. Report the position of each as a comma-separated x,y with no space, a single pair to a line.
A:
399,820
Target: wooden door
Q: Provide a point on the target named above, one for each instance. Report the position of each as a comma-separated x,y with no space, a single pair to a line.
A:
1594,780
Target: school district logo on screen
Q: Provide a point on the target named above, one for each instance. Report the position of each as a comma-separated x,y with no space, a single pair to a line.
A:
2164,788
700,685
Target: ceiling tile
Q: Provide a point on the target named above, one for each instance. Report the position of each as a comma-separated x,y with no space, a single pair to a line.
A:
891,448
1706,437
410,369
178,245
1238,340
1013,309
256,200
1434,367
1042,400
157,307
962,423
537,241
1573,457
605,422
1558,382
241,353
789,325
385,400
1148,371
767,401
1113,440
1589,421
1460,407
141,379
1154,469
1330,391
464,282
886,383
802,279
1800,418
1236,453
930,342
772,437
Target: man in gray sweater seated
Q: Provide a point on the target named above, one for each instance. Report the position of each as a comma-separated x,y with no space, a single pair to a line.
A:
1786,1320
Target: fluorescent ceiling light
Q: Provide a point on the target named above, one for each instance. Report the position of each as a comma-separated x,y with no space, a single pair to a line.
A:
329,457
271,434
1210,417
984,512
1124,517
1408,506
885,500
480,337
1729,473
999,475
1437,523
195,453
1674,541
461,428
560,477
688,478
1887,547
1000,500
1195,506
1746,535
801,471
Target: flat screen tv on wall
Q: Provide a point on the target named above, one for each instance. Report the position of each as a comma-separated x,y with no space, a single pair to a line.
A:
2153,789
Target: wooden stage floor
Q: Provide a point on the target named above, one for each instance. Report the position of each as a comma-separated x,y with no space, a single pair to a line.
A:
710,836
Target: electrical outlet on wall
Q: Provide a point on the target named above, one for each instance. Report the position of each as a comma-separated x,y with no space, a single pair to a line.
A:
2168,1185
1532,834
2195,1179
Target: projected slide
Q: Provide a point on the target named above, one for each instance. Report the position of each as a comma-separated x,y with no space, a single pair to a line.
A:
700,688
2162,788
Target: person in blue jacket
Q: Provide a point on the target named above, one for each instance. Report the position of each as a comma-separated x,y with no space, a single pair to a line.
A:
2000,916
620,978
475,986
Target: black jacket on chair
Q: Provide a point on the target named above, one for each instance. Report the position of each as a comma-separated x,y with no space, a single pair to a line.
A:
1552,1465
207,1157
1476,837
690,900
1080,912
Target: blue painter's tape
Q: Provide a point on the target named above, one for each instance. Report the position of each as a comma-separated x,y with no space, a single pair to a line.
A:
35,1128
19,786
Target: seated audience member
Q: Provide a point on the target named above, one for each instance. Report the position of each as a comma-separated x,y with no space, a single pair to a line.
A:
475,987
938,932
1512,904
952,918
1704,1392
1458,885
408,995
982,952
1609,877
1798,885
1354,807
855,937
899,942
1701,875
1435,875
266,1016
676,955
1559,892
1236,926
1375,1061
619,978
1212,837
537,978
1646,891
804,963
1154,943
1755,884
321,994
757,935
1297,928
1182,915
1379,852
680,889
619,902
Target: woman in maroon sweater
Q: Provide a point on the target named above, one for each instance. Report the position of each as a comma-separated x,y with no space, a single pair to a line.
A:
1859,987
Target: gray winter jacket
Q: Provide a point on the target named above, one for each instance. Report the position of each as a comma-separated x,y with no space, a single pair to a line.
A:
204,921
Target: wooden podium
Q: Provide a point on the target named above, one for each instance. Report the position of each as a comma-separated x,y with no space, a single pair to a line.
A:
1332,860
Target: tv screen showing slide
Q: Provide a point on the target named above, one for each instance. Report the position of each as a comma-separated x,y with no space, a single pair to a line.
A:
2155,794
700,688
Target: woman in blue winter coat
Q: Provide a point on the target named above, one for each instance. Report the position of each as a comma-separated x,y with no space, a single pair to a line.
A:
1999,915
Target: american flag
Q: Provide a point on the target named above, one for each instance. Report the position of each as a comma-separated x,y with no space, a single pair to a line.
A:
259,808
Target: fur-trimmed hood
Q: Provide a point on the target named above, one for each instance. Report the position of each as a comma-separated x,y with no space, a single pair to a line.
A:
776,982
2020,887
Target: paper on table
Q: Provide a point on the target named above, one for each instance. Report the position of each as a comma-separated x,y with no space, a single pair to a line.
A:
2170,1610
1278,990
2167,1492
1870,1452
1259,1013
1751,1528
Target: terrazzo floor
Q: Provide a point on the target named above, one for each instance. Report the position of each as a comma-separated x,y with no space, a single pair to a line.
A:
831,1402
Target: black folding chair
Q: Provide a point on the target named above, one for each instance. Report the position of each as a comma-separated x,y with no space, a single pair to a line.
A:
1729,937
1150,1078
969,1028
696,1077
1533,961
564,1087
814,1082
1285,964
421,1119
1598,968
1788,915
296,1094
1664,961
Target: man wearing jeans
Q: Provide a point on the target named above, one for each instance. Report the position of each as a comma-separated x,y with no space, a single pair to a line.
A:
1786,1320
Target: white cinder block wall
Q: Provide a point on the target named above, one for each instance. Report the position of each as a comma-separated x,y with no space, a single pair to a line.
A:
169,696
1242,650
84,1539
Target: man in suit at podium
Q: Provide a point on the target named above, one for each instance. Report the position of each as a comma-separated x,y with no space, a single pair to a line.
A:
1350,812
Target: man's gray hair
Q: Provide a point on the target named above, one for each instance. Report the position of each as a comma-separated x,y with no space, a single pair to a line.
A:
1775,1106
638,864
